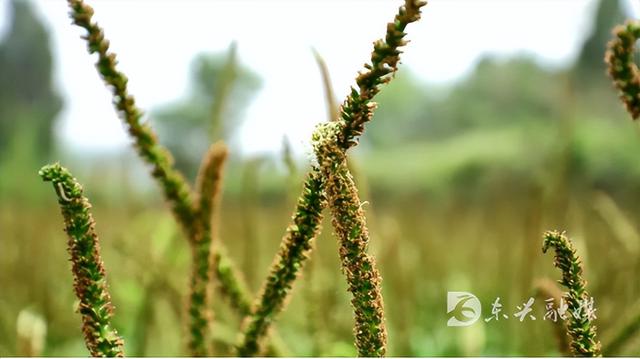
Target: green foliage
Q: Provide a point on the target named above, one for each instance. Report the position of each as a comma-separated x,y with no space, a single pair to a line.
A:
496,94
624,336
89,280
579,325
545,289
28,103
21,152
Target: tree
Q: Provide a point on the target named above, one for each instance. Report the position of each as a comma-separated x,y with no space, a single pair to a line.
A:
28,102
220,90
590,61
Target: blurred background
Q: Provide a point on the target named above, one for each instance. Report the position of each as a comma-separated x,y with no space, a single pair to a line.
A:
500,124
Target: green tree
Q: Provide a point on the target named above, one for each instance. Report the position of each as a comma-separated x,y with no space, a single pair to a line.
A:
500,93
28,101
497,93
590,62
220,90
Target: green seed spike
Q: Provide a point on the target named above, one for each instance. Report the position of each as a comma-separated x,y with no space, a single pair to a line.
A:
358,108
580,327
208,189
349,223
89,276
622,69
174,185
209,184
354,113
294,249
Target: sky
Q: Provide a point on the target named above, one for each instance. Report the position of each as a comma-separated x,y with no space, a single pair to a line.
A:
157,40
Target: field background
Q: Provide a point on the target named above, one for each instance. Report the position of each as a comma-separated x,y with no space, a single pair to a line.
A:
460,182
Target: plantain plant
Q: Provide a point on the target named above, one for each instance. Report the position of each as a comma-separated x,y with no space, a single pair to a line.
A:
356,110
328,183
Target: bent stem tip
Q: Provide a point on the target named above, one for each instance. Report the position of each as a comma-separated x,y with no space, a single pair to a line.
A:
89,282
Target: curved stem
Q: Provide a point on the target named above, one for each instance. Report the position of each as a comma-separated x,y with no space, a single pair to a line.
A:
89,275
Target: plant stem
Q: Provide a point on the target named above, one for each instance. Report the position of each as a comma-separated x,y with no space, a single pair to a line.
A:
329,95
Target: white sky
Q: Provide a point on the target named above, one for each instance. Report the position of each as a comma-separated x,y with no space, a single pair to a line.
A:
274,39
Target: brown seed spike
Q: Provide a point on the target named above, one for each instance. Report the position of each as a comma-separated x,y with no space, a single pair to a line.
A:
621,66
